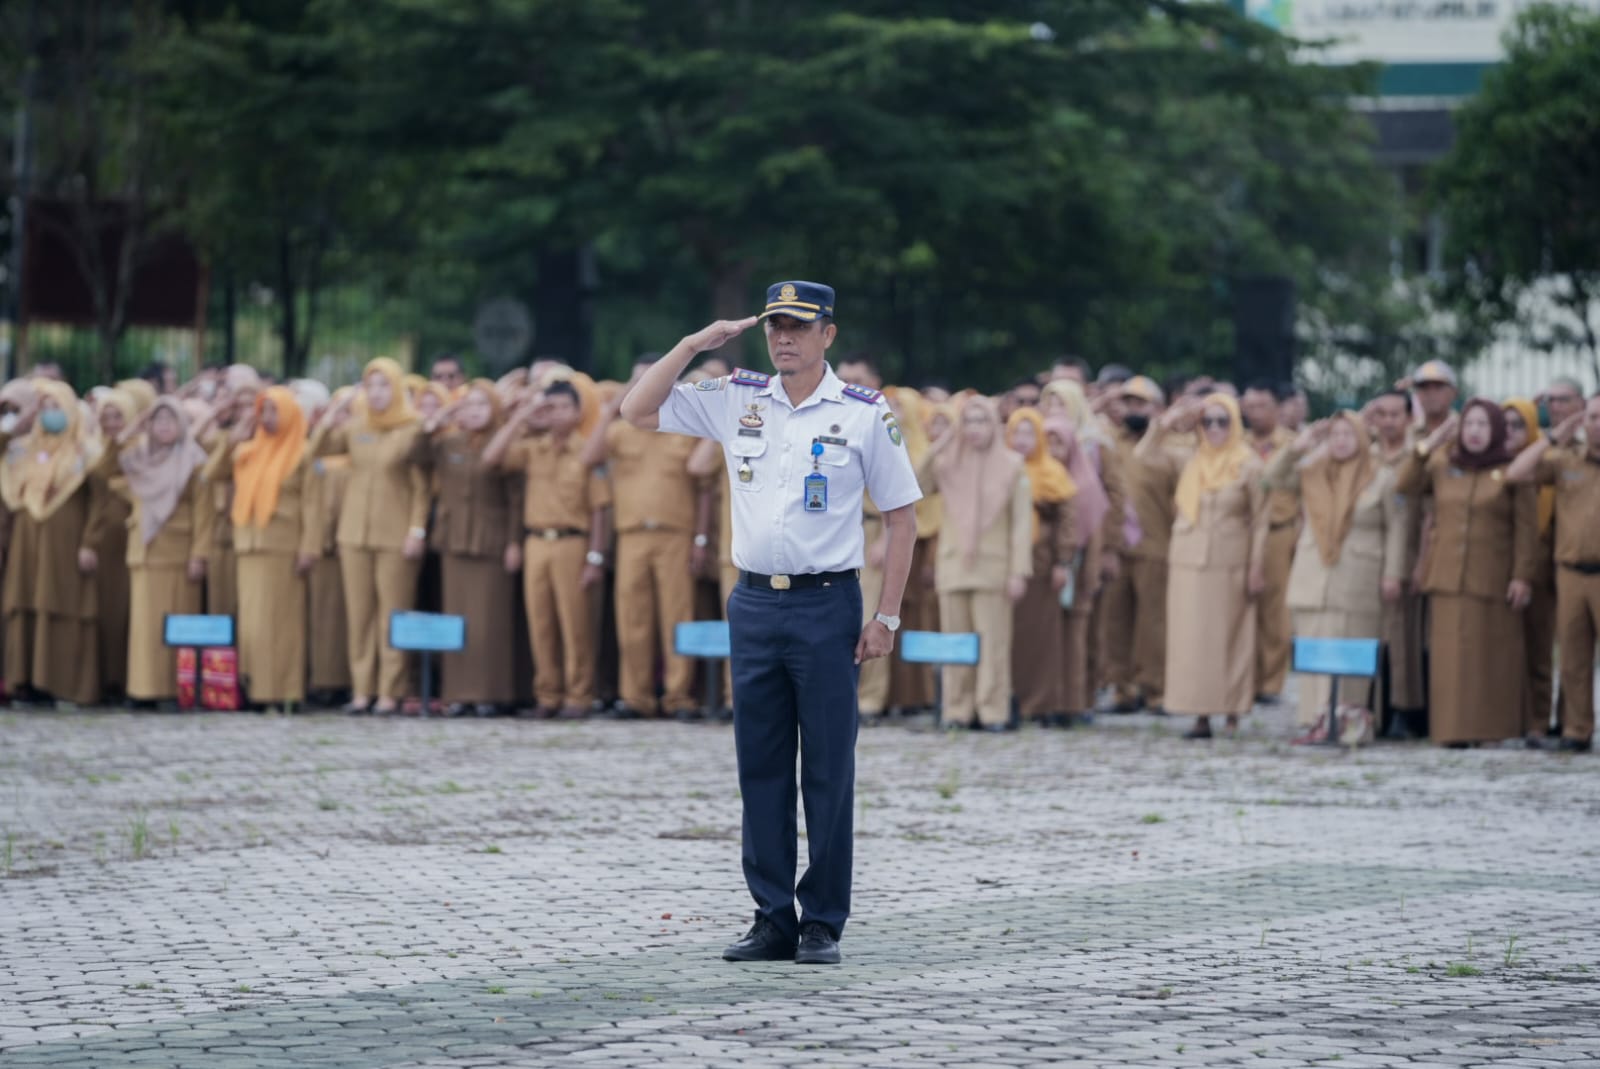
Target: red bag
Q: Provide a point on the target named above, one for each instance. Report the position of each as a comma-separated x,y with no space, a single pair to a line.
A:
219,679
186,678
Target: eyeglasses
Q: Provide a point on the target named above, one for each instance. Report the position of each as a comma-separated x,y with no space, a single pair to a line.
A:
1214,421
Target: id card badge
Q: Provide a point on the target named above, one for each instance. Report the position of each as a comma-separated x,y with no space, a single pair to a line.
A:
816,492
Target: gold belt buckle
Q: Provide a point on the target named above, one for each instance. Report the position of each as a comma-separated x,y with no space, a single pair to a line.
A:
650,525
550,534
780,582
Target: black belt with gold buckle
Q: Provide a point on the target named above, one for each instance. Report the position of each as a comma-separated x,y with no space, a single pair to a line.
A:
797,582
1585,567
550,534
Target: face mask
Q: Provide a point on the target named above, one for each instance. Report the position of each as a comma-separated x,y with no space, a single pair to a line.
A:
8,422
1136,424
53,421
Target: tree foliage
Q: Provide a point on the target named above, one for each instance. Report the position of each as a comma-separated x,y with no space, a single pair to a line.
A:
1521,189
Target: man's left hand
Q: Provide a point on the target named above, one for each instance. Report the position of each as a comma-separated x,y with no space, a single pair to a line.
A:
876,641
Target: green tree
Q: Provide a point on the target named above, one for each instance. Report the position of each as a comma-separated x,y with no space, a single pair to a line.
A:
1521,188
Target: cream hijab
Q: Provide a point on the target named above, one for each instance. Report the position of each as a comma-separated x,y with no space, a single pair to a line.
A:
975,481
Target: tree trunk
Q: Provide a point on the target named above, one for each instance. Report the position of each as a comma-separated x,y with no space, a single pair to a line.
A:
288,300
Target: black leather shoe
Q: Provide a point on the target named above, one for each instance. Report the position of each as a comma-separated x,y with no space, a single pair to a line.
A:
817,946
1573,746
764,942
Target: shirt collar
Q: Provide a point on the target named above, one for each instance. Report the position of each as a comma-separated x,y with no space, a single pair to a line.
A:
831,388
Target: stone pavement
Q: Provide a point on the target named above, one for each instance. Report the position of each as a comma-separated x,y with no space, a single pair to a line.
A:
228,891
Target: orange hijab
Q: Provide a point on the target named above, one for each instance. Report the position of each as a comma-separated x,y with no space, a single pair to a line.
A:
1547,494
975,482
1329,489
262,464
1213,467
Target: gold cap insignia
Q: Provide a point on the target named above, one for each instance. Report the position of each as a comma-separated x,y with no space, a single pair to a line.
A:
787,293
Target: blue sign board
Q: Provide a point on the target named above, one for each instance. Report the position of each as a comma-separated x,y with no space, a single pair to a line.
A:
1336,656
427,632
705,639
938,647
200,632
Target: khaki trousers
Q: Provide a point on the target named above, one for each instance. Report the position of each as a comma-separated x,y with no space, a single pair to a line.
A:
1149,626
655,593
559,625
1273,637
329,648
986,689
1118,619
377,583
872,692
1577,625
1539,629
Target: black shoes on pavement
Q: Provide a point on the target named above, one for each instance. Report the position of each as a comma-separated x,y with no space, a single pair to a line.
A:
764,942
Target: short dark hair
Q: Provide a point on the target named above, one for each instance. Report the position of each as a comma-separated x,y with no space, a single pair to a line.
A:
561,388
1173,386
1114,375
1265,386
1076,362
448,358
1020,383
1405,398
861,359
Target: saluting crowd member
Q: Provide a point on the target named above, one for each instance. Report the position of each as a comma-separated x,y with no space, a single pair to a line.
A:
794,616
564,520
656,506
169,543
985,557
1216,562
50,596
328,631
477,530
1267,439
382,528
1352,553
1404,623
1041,664
1572,470
1539,618
1092,509
236,401
274,542
1480,568
118,410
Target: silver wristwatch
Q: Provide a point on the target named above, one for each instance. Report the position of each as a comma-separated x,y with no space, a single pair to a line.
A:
595,557
891,622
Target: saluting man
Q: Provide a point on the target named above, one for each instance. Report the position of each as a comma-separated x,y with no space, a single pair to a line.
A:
801,448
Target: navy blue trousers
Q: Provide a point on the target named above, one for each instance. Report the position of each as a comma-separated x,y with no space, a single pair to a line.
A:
794,694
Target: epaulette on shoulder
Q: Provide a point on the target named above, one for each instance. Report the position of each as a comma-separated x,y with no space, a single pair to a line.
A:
862,393
744,377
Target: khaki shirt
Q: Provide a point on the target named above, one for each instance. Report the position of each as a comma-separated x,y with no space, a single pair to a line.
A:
1485,530
1155,461
650,482
287,531
479,508
559,490
1575,475
187,534
386,495
1283,506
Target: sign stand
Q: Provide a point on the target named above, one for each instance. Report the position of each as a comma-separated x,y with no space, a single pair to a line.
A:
1335,657
196,633
711,642
427,633
940,648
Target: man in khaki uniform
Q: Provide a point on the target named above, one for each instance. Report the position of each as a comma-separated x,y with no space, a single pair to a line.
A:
1135,602
656,509
564,520
1574,471
1273,626
1403,635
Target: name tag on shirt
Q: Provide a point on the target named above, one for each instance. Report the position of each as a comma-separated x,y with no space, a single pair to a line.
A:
816,491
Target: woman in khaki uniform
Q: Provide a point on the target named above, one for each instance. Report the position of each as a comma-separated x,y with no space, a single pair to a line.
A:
985,557
1039,677
911,686
382,527
477,530
241,384
1352,552
1539,620
1480,568
1094,509
50,595
267,464
118,410
169,541
1215,565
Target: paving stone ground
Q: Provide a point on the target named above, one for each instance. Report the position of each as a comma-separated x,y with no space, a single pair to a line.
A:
229,891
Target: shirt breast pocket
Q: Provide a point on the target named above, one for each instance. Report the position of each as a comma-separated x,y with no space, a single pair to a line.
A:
747,461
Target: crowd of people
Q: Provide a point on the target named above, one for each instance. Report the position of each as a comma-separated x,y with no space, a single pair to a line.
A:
1116,544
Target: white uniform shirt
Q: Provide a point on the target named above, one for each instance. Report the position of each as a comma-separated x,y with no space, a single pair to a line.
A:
750,414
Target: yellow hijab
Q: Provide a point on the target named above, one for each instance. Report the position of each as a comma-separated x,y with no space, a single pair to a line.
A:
262,464
1047,477
41,471
909,408
1213,467
400,412
144,395
1547,494
1329,489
